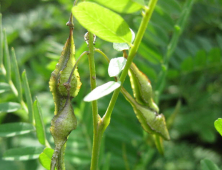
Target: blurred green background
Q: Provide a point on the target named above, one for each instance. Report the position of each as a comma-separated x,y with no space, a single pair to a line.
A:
37,31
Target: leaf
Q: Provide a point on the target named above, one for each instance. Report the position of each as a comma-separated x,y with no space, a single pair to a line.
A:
123,46
102,22
45,157
102,90
218,125
125,6
141,2
9,107
156,35
116,65
200,59
214,56
27,95
17,75
4,87
150,52
208,165
23,154
7,62
14,129
187,64
40,129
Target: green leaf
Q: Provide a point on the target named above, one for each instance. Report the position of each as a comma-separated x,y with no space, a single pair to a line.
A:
218,125
27,95
116,65
200,59
7,58
150,52
208,165
156,35
187,64
141,2
45,157
102,90
17,75
23,154
9,107
1,41
40,129
214,55
123,46
14,129
125,6
4,87
102,22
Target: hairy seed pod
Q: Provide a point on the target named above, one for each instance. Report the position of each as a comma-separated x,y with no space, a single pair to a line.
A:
142,89
151,121
63,123
61,75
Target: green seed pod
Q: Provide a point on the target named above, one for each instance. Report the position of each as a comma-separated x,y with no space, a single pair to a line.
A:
63,123
142,89
61,75
151,122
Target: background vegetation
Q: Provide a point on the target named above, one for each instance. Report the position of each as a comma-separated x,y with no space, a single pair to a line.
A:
37,31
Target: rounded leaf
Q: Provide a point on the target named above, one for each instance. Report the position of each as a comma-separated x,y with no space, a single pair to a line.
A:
102,90
116,65
126,6
218,125
102,22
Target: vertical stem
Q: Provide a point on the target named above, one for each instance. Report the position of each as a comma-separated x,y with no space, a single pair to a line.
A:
96,137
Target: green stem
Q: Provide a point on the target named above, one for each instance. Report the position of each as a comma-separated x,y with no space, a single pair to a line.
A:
146,17
96,137
178,29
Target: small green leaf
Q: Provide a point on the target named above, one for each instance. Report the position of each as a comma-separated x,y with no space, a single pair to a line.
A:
102,22
40,129
116,65
4,87
7,58
208,165
218,125
23,154
123,46
187,64
14,129
102,90
9,107
45,157
125,6
27,95
214,55
17,75
200,59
